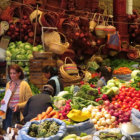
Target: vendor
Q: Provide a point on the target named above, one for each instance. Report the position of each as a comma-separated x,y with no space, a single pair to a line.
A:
38,103
106,75
51,73
20,91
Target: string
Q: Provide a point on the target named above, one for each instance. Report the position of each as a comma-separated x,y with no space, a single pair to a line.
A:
85,12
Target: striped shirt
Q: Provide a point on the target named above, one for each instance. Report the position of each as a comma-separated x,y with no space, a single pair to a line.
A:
15,97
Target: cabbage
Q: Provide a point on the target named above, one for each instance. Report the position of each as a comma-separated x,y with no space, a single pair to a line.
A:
29,52
110,85
8,53
115,90
134,73
8,58
41,51
21,46
21,64
40,47
110,81
20,57
35,49
22,51
29,56
18,43
28,47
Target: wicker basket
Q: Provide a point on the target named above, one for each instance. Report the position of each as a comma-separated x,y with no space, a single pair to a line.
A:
58,48
67,77
70,68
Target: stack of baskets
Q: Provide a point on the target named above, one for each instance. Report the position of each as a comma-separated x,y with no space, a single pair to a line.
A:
69,72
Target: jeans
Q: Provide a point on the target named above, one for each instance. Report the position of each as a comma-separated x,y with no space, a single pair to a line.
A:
11,118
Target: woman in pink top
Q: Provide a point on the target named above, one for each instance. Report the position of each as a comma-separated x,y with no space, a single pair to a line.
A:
21,92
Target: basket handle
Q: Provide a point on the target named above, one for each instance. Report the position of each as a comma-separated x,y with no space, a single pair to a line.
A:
69,59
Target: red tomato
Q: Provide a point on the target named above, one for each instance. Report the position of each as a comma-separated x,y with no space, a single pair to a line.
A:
136,106
121,98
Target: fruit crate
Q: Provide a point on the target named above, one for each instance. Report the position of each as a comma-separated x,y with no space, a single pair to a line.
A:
36,65
37,78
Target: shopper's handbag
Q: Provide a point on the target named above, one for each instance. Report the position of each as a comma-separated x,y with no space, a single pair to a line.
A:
71,67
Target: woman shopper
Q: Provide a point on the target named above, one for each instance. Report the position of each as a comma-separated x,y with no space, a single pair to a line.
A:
21,92
51,73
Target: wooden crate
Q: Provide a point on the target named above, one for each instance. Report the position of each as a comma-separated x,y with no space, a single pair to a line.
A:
37,78
36,65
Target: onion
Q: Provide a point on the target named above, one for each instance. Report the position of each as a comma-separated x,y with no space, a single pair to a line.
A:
108,121
106,103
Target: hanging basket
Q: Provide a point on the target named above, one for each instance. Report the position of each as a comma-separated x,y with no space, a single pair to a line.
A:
70,68
58,48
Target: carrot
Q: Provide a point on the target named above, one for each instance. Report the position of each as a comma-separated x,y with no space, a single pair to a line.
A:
33,119
43,114
52,113
56,115
39,117
49,109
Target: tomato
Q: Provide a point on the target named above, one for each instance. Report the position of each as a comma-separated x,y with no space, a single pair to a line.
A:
132,95
113,99
121,98
136,106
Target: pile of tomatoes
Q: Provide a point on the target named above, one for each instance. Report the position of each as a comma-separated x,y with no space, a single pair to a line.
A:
127,98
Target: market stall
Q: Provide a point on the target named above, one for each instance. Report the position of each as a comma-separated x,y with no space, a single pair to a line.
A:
95,49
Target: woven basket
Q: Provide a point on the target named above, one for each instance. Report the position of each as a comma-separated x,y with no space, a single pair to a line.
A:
67,77
58,48
70,68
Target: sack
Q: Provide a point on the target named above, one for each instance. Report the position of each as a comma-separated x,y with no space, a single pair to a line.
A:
70,68
125,137
2,54
86,127
126,77
24,136
114,41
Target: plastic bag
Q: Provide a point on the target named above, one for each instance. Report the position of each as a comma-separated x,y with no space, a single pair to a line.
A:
2,54
135,116
125,77
24,136
86,127
125,137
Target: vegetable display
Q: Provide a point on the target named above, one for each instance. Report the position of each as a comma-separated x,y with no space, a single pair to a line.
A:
20,53
44,129
128,98
122,70
110,136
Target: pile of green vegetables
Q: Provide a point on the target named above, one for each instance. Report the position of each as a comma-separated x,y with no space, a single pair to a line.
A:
44,129
34,89
110,136
80,96
19,52
117,63
112,87
135,81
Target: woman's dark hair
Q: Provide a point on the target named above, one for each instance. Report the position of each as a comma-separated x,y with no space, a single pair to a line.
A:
53,70
105,73
18,69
